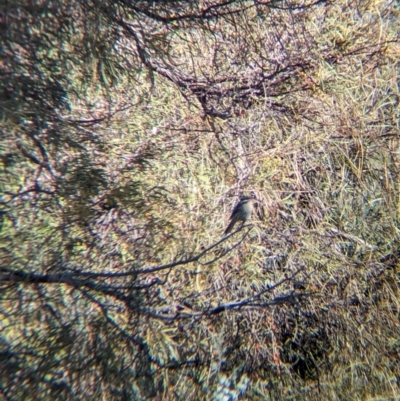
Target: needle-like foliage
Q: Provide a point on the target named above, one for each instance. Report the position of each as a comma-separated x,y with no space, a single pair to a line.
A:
129,131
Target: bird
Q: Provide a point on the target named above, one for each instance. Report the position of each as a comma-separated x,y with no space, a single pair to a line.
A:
241,212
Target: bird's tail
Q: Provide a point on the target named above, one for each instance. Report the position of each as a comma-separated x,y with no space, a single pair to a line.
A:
230,226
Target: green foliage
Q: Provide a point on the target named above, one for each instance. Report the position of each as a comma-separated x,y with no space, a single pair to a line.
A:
129,129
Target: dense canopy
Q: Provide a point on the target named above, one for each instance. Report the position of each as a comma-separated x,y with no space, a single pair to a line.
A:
129,130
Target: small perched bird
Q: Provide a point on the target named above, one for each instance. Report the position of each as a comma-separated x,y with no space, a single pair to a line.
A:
241,212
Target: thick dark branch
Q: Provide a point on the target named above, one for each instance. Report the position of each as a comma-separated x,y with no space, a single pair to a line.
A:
249,303
77,278
239,306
